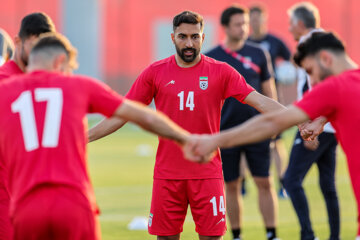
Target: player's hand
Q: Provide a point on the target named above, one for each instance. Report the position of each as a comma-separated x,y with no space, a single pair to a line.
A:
195,151
311,129
312,145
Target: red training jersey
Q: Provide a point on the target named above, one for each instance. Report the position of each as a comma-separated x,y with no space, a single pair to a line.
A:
43,130
337,98
8,69
191,97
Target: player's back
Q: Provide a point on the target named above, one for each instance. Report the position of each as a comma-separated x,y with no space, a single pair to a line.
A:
43,131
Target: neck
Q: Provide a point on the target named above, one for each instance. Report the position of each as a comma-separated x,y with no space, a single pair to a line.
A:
344,63
183,64
259,34
18,61
39,67
234,45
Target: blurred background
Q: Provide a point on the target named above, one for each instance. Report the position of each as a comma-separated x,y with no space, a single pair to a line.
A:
116,39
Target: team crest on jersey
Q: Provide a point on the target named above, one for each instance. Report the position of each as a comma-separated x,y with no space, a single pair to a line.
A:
247,63
150,219
203,83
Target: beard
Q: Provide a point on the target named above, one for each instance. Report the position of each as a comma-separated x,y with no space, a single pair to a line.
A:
24,57
324,72
187,58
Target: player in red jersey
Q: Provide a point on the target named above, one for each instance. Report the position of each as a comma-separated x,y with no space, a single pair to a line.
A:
336,96
190,88
43,113
32,26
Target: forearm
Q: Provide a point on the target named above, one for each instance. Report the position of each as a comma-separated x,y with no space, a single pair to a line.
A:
257,129
104,128
262,103
261,127
269,89
269,105
155,122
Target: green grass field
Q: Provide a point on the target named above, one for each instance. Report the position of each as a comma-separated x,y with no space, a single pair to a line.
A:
121,168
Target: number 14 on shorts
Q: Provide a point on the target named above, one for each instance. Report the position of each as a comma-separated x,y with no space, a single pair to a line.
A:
221,205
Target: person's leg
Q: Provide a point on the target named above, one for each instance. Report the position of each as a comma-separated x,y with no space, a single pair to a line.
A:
301,159
210,237
231,162
173,237
278,155
207,204
234,203
168,208
267,201
258,158
243,172
354,170
327,165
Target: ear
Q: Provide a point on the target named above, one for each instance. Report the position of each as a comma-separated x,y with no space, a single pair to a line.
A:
17,41
326,58
59,62
173,37
203,37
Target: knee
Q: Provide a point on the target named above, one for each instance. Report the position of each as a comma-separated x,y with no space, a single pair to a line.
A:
290,183
328,189
263,184
233,186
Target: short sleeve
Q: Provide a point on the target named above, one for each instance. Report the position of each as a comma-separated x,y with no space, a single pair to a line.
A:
284,51
235,84
102,99
143,89
266,66
322,100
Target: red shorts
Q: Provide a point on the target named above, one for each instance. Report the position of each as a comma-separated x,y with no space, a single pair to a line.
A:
55,212
170,199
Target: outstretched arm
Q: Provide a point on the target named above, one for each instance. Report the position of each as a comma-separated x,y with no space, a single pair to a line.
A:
155,122
310,130
262,103
254,130
104,128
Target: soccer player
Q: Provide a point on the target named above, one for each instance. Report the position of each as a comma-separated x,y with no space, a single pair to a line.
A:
252,62
337,80
31,27
305,19
44,114
6,47
279,53
190,88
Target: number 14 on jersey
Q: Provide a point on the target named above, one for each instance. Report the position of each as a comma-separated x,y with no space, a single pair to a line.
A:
189,100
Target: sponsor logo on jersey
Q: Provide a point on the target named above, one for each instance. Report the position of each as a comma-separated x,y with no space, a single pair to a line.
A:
171,82
150,219
247,64
203,83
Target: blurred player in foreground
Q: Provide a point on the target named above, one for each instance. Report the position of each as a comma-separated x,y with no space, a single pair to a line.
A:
31,27
335,96
190,88
43,142
304,19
